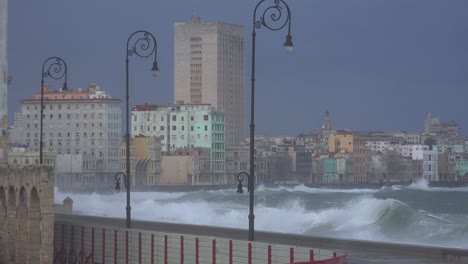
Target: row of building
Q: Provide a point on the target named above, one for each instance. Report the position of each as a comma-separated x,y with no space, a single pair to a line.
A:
199,140
185,144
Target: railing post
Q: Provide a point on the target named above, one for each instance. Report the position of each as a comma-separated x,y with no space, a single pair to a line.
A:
334,254
291,255
92,245
103,246
181,249
63,236
165,249
249,254
152,248
139,247
126,247
230,252
72,238
115,247
214,252
196,251
82,246
311,255
269,254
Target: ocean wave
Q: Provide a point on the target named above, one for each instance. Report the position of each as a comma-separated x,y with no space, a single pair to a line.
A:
303,188
362,216
423,185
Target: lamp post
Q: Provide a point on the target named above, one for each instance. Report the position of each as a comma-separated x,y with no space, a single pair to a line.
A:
142,44
275,16
55,68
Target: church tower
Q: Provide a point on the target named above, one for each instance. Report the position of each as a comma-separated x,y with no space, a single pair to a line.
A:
4,76
326,121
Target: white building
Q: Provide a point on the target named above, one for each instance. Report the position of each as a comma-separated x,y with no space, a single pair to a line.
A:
184,127
4,76
209,69
179,126
429,155
377,146
76,122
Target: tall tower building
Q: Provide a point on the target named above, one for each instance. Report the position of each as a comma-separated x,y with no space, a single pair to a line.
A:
4,77
209,69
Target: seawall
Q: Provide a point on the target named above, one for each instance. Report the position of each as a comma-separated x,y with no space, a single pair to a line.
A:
358,250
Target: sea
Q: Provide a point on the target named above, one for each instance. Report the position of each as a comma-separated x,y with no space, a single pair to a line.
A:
414,214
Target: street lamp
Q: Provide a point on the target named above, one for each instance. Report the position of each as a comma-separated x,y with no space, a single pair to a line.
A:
240,179
276,16
143,44
55,68
117,181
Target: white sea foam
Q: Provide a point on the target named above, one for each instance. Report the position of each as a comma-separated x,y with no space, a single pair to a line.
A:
362,217
423,185
303,188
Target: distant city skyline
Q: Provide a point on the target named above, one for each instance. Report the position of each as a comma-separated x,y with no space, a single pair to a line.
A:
375,65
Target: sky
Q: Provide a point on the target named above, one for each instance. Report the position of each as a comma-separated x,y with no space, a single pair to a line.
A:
376,65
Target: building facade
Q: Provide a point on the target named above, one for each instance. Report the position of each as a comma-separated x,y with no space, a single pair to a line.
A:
76,122
185,127
145,160
209,69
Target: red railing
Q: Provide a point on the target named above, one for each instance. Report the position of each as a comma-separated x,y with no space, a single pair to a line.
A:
66,251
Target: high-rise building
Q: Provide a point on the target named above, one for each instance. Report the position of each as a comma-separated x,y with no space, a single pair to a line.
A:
209,69
76,122
4,78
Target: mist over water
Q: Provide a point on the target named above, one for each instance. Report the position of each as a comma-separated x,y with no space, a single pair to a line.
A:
415,214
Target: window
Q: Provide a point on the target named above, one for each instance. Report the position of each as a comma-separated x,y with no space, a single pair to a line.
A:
173,117
191,118
135,118
162,128
183,128
191,128
182,118
174,128
205,117
206,128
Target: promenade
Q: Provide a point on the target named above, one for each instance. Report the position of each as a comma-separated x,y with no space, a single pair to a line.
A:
356,250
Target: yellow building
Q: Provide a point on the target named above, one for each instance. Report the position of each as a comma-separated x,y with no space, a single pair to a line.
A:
344,142
145,160
341,142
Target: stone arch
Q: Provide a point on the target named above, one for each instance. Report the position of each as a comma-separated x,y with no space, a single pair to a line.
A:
34,227
21,231
3,227
11,225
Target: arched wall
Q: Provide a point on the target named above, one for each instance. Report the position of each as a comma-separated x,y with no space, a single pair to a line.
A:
21,230
34,227
26,214
3,221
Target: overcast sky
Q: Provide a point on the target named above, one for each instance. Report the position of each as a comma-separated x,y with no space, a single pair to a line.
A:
374,64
